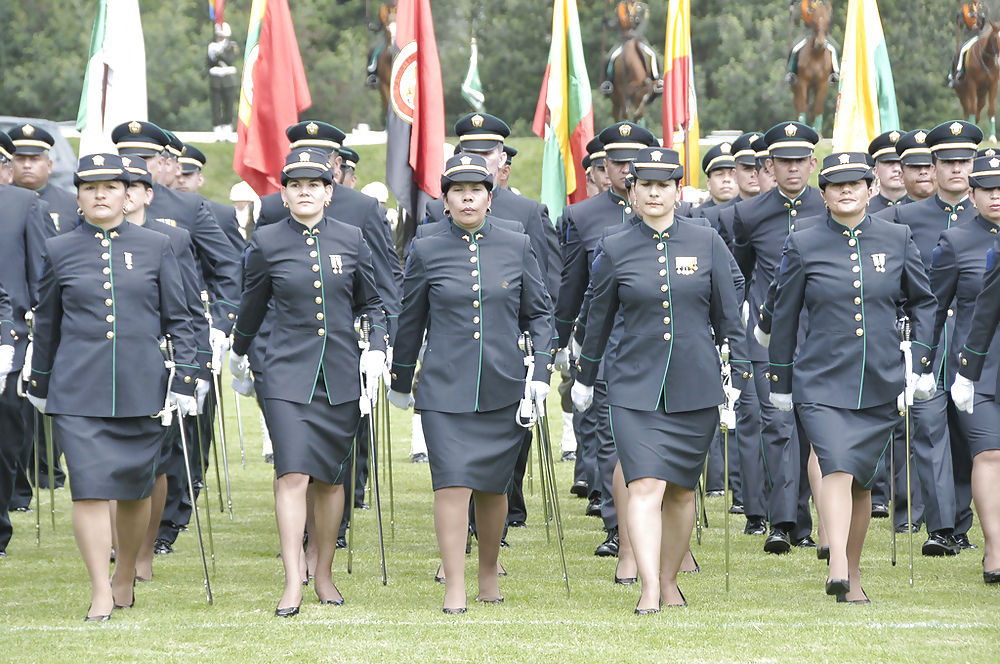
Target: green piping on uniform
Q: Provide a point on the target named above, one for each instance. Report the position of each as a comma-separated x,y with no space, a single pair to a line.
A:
482,312
864,335
114,324
670,310
322,294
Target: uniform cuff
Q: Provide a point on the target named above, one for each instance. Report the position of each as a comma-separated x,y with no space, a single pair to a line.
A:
39,384
779,377
402,377
970,364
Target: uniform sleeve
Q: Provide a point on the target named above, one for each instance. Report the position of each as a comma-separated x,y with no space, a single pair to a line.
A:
175,321
196,309
573,282
367,300
382,254
600,318
221,264
34,241
725,313
920,302
257,291
535,313
984,321
6,318
47,331
552,267
944,285
788,302
743,249
766,313
412,322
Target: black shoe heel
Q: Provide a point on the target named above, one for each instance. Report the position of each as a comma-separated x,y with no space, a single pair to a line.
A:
838,587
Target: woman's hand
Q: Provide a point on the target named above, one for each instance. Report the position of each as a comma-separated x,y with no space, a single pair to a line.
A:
401,400
582,395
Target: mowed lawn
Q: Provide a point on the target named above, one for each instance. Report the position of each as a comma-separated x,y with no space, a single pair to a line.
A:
775,610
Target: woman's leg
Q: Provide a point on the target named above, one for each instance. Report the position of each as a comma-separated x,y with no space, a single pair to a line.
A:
862,515
985,476
309,554
837,505
290,512
451,524
626,568
816,487
677,522
491,515
92,530
645,526
132,521
144,564
328,508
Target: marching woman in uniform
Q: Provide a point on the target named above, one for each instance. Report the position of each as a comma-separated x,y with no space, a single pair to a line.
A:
474,288
673,286
851,274
318,272
107,294
964,253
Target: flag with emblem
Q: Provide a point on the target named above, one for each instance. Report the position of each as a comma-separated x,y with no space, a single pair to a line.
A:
114,86
414,158
564,117
472,87
866,103
680,104
273,93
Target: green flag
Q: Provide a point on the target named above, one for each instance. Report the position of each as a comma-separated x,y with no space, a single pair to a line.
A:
472,89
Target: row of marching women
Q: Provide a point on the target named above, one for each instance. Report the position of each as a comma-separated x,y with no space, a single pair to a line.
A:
812,331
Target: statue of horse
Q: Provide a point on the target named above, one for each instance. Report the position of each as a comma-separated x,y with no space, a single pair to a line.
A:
982,72
633,84
814,66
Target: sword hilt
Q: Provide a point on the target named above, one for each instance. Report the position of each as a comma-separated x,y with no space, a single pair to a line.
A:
204,303
366,329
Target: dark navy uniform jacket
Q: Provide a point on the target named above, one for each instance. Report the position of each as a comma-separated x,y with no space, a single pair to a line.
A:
6,319
580,229
878,203
760,226
105,300
225,216
671,291
218,259
927,219
62,215
852,282
444,226
766,311
320,280
720,216
22,234
535,218
474,292
360,210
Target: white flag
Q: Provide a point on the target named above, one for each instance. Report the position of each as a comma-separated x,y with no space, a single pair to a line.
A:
114,88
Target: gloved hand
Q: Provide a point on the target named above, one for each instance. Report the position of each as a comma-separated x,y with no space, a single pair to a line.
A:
239,366
925,386
26,368
201,390
901,403
37,402
186,406
388,356
582,395
401,400
220,343
727,418
561,360
539,391
372,364
244,386
782,402
575,347
6,364
963,391
763,339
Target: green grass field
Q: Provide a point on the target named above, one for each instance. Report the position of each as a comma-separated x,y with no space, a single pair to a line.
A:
775,610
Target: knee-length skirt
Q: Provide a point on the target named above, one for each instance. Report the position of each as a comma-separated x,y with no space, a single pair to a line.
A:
847,440
476,450
313,438
666,446
982,425
109,458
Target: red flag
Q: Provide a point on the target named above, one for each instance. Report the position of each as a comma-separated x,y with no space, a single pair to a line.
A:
415,154
274,92
677,80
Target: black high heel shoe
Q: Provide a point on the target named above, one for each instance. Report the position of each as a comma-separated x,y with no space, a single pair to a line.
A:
288,612
624,580
454,612
843,599
823,553
126,606
838,586
89,618
684,601
334,602
992,576
647,612
491,601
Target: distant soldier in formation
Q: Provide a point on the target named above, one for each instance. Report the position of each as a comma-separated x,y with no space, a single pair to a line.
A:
223,83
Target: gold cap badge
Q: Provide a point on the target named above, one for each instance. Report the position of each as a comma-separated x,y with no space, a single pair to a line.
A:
28,130
656,155
466,161
956,128
844,158
994,163
477,121
920,136
134,127
893,136
312,128
625,130
790,129
98,160
726,148
304,156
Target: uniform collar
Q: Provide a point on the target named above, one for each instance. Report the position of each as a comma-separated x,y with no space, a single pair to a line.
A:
470,236
101,233
615,198
299,227
986,225
844,230
791,202
947,207
648,231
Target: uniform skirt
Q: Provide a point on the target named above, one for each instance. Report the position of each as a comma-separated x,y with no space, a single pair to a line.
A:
313,438
849,441
109,458
476,450
982,425
665,446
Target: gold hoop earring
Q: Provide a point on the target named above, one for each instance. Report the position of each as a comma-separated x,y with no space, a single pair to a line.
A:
285,203
79,212
326,204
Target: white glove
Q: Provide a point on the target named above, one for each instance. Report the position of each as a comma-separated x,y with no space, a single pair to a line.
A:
40,403
372,364
963,391
244,386
220,343
561,361
925,386
388,356
201,390
575,347
26,368
401,400
763,339
239,366
727,418
539,391
582,395
782,402
186,405
901,403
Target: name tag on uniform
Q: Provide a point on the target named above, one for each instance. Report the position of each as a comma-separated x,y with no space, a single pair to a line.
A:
171,222
879,261
128,260
336,264
686,265
55,220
